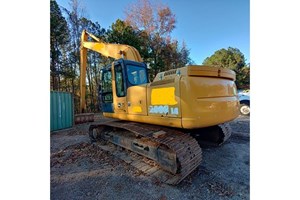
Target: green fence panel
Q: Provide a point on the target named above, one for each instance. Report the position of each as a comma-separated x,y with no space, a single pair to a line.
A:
61,110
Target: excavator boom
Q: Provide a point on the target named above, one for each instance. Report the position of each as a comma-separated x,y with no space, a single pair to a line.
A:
115,51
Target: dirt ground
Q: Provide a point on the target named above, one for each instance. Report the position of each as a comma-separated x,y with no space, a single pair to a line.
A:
80,170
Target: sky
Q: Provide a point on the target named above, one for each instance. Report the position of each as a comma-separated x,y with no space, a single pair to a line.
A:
204,25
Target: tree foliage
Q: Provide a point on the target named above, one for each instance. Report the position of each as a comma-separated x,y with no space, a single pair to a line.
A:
75,22
59,37
157,22
155,19
231,58
73,17
122,33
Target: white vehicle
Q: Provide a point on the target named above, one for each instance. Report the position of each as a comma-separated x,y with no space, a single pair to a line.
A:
244,97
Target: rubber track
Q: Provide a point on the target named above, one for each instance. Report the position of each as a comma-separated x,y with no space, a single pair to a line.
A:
187,149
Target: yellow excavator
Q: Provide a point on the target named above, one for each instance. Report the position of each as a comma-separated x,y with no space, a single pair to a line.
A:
163,120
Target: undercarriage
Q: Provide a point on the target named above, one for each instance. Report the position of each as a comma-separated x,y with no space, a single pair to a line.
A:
176,151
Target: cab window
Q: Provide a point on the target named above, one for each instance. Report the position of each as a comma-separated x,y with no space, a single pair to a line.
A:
136,75
106,87
119,81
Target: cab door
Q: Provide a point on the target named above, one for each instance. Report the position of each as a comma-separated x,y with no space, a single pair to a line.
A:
119,87
105,91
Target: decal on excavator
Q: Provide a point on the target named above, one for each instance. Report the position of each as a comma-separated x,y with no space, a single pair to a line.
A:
163,96
137,109
163,101
158,109
174,111
163,109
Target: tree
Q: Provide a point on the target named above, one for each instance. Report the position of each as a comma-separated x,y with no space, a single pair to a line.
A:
93,60
175,56
157,22
122,33
231,58
73,18
154,19
58,38
243,78
71,55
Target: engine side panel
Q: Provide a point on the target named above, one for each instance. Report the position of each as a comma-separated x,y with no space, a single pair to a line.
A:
163,98
213,101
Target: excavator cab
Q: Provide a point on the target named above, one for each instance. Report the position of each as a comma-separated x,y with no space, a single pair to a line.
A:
116,79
